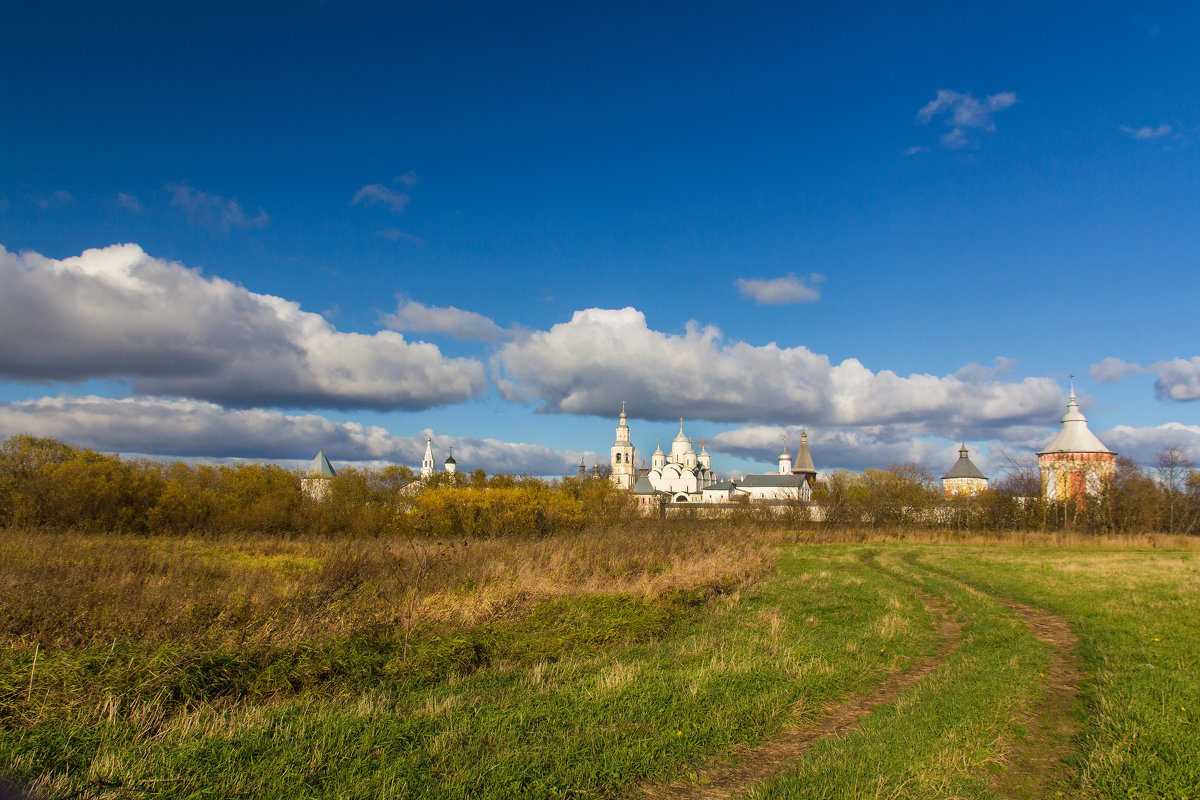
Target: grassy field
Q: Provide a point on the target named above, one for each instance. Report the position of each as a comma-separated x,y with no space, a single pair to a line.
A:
605,664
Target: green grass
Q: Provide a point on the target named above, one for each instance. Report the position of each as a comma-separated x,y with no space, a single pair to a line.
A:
946,736
1137,613
593,693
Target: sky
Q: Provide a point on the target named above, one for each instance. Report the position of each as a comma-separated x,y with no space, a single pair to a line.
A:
249,231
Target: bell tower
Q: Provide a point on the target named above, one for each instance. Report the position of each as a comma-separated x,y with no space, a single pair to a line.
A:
623,471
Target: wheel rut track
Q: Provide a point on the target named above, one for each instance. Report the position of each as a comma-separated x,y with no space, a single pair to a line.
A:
1037,759
756,764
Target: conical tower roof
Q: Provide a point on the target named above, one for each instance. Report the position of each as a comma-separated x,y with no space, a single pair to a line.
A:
804,461
320,467
964,468
1075,436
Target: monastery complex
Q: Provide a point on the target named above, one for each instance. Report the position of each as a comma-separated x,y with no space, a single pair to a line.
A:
1074,466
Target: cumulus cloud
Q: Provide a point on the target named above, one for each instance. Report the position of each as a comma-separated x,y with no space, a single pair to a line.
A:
875,446
118,313
1147,132
915,149
964,113
1178,379
1111,370
413,316
975,373
214,211
781,291
1144,444
376,194
178,428
603,356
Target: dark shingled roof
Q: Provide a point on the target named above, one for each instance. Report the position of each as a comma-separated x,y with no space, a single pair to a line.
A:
963,468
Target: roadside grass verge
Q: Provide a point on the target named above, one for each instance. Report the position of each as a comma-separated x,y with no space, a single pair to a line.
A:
579,693
1137,614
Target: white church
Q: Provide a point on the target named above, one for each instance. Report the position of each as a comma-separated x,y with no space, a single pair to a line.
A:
685,476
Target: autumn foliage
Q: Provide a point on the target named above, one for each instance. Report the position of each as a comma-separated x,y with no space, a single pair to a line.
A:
50,485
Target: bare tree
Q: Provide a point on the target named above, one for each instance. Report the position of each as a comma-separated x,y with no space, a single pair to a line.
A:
1174,468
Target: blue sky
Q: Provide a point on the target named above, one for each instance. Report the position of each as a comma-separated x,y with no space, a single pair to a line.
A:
349,224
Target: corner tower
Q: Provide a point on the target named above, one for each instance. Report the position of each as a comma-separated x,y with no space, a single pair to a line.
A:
623,472
964,478
1075,465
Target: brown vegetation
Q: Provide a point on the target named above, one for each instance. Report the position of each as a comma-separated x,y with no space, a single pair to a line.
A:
70,589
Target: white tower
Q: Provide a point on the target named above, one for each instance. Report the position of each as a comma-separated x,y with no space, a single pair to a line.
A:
658,459
623,471
785,460
451,464
427,461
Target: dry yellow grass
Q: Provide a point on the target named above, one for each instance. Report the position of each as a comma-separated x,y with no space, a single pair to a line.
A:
65,589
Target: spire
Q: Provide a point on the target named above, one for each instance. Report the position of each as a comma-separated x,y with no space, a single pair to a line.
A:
658,451
784,453
427,461
804,462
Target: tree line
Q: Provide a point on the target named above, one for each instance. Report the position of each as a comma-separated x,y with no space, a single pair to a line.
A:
48,484
1164,498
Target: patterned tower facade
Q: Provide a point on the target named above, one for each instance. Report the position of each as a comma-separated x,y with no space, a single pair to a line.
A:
623,471
1075,465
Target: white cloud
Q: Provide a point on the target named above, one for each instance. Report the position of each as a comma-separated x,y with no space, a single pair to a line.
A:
1111,370
118,313
214,211
781,291
603,356
413,316
1146,132
975,373
1178,379
912,151
409,179
1144,444
163,427
964,113
378,194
